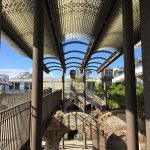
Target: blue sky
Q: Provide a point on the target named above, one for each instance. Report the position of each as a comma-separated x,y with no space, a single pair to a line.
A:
10,59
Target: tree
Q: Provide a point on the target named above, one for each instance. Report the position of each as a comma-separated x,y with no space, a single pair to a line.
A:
117,97
99,89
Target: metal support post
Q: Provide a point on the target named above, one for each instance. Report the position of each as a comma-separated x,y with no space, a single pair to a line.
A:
145,36
105,88
0,20
84,90
37,76
63,97
63,90
130,84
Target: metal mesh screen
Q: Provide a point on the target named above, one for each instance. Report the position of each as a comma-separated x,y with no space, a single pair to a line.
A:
112,35
79,18
17,19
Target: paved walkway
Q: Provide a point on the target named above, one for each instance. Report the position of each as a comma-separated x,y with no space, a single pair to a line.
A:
76,145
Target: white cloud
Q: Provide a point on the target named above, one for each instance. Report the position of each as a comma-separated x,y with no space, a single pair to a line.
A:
12,73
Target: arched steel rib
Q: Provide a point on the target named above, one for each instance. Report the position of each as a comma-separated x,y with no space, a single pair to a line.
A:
73,58
54,67
72,67
74,51
91,70
92,67
55,70
94,63
98,58
53,63
73,63
102,51
75,42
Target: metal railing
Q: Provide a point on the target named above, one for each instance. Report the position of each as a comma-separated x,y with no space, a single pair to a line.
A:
10,100
14,126
15,121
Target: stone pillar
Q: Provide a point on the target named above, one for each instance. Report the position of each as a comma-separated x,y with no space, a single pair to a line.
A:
84,90
145,36
37,76
130,84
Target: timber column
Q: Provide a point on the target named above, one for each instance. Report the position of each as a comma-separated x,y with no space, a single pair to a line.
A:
84,110
130,82
37,76
145,36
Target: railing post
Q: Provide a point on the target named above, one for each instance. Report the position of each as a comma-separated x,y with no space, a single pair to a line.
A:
145,36
130,84
37,76
84,90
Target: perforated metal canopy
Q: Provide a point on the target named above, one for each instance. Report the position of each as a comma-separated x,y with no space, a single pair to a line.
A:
68,22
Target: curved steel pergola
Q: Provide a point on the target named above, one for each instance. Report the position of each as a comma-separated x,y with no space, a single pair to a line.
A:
92,67
91,70
74,51
73,67
98,58
73,58
102,51
76,42
55,70
98,63
54,67
57,63
73,63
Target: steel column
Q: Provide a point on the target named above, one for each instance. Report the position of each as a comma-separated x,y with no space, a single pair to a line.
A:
105,88
63,96
84,90
63,89
145,36
37,76
0,20
130,83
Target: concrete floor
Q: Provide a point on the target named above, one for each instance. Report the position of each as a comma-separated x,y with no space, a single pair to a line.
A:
76,145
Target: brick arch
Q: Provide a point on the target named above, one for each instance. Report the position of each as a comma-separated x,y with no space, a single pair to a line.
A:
114,122
64,123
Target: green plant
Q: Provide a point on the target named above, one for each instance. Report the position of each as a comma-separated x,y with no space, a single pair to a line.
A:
116,97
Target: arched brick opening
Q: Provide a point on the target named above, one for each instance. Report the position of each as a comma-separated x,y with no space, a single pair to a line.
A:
115,142
72,108
64,123
113,124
